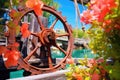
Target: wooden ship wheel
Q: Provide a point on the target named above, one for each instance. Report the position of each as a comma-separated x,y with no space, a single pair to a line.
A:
43,41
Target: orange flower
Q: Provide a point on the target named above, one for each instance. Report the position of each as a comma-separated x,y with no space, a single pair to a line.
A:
24,30
12,57
16,44
3,49
70,61
77,76
36,5
30,3
37,10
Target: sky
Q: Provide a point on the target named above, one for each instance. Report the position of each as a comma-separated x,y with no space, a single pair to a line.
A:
68,10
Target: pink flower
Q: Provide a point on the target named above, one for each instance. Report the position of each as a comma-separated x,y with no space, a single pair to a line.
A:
100,60
93,1
98,9
92,61
87,16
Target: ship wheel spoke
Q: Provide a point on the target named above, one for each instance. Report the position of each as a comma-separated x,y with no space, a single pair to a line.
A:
49,58
61,35
40,23
32,52
60,48
35,34
53,24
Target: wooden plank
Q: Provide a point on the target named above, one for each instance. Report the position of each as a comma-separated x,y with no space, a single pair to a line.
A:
47,76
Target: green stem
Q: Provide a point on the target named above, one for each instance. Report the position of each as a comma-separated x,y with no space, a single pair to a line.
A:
118,7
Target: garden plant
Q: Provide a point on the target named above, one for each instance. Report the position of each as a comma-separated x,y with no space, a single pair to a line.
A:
104,18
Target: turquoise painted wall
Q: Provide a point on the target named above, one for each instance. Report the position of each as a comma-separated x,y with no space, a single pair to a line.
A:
75,54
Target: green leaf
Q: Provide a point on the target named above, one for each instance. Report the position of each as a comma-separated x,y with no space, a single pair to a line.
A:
17,30
87,78
110,71
77,69
11,24
114,16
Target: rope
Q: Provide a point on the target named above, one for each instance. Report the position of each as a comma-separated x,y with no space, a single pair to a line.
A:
76,19
78,12
11,4
82,4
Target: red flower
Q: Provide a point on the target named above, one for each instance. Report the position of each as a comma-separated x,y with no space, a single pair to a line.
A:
24,30
104,7
36,5
117,26
106,23
95,76
111,3
12,57
102,14
107,30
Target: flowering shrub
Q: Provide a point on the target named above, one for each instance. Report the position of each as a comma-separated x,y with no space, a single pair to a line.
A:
10,56
88,70
36,5
104,18
11,53
102,13
97,10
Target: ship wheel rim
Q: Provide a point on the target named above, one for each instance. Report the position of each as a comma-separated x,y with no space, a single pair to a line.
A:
70,40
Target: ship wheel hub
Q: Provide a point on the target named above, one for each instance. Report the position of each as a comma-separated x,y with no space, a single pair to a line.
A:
47,37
